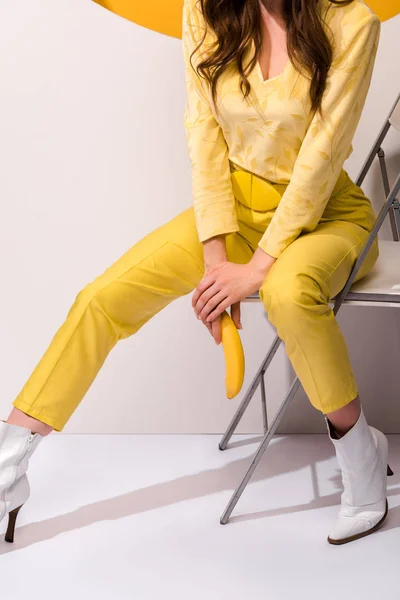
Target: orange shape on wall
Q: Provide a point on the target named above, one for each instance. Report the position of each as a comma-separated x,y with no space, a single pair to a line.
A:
165,16
385,9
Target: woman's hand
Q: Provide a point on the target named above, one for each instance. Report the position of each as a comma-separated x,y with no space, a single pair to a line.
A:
227,283
214,327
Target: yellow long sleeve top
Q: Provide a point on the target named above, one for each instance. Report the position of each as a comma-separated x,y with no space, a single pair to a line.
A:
273,133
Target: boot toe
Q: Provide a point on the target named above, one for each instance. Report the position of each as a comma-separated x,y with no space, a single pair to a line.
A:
347,529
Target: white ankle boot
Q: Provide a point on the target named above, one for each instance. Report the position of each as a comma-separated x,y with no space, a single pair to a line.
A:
362,456
16,447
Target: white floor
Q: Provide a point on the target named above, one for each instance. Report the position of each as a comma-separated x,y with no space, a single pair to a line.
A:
137,517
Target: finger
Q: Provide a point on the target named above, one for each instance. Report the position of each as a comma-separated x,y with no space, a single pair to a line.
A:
212,303
204,284
235,314
209,327
216,330
206,297
219,309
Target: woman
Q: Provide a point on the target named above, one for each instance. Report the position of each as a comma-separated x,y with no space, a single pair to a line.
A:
275,90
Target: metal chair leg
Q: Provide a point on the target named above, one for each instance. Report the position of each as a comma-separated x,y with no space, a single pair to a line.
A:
249,394
386,187
264,403
259,454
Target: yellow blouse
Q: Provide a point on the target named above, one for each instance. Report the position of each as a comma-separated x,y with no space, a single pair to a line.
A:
273,133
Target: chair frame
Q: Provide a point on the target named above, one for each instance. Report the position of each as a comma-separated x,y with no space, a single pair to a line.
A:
390,206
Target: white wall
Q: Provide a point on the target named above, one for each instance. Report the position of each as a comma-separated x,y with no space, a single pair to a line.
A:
93,157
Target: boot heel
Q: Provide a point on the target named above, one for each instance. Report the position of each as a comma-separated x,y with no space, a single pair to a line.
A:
389,471
12,518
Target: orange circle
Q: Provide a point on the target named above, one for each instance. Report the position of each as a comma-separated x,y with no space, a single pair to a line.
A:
384,9
165,16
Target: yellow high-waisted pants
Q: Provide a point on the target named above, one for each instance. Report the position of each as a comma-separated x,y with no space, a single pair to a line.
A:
168,263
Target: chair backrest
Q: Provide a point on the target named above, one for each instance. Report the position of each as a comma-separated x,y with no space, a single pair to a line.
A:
391,197
392,120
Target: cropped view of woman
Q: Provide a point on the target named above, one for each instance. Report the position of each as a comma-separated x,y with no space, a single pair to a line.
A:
275,91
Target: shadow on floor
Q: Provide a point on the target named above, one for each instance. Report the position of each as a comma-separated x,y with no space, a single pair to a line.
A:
284,455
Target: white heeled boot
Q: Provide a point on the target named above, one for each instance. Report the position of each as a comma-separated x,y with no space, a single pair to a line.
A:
16,447
362,456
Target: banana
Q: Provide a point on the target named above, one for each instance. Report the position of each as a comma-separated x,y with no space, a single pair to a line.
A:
234,356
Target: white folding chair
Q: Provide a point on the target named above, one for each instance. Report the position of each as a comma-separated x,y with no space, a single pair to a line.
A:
380,287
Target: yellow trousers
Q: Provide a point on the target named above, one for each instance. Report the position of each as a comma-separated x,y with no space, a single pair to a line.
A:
168,263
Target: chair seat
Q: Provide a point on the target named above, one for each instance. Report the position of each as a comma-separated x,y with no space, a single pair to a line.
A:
381,286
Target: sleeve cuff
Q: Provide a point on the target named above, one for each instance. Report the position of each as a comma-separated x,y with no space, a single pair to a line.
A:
221,223
271,248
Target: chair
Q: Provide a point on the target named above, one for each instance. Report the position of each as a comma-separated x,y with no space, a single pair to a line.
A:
380,287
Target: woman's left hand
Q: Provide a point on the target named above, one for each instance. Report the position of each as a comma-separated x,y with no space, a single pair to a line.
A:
227,284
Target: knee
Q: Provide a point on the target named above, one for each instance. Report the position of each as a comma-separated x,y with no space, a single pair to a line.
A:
289,295
85,300
85,296
100,304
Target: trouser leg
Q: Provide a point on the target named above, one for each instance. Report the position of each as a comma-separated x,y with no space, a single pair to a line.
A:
296,293
166,264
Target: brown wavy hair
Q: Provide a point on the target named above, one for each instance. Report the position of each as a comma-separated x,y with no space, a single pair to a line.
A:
237,23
